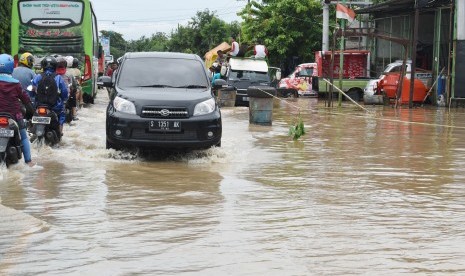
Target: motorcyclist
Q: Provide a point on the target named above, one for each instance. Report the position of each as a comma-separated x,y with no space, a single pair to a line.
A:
73,69
10,92
70,81
24,72
49,66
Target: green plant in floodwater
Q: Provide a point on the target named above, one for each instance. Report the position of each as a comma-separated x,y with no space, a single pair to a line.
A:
297,129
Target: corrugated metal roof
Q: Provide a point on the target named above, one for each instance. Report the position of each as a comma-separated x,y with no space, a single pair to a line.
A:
404,6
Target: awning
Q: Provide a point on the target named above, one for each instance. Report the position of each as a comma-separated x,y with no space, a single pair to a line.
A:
403,6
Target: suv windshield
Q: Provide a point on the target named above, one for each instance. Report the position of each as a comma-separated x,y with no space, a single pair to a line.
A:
249,75
162,72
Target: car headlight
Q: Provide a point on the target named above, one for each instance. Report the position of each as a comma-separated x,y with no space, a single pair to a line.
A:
124,106
205,107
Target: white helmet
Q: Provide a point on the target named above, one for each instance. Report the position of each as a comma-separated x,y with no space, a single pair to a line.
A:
69,61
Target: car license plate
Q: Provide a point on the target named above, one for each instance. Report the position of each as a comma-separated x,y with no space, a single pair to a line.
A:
162,125
41,120
5,132
245,99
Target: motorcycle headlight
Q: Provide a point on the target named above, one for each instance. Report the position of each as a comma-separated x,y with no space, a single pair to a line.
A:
124,106
205,107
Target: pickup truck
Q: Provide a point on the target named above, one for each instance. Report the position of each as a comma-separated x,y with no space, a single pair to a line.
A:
240,73
355,72
352,87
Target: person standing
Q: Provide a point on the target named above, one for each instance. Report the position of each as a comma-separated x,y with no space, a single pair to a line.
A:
24,72
234,47
11,93
111,69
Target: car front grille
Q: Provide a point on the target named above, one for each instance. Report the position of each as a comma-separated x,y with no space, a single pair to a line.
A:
164,112
143,134
242,91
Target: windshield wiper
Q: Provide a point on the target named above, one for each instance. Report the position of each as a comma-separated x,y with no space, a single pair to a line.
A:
192,86
156,85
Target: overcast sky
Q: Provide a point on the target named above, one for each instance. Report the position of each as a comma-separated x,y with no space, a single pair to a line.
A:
135,18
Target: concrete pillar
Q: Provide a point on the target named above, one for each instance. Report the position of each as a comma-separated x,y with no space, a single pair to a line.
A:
325,44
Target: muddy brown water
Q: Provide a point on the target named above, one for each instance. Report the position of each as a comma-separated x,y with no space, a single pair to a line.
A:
379,193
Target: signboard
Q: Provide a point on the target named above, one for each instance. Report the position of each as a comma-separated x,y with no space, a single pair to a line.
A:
105,41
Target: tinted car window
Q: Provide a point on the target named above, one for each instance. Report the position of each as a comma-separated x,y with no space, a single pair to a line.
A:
169,72
249,75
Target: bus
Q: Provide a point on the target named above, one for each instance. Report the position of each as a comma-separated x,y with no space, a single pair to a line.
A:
58,27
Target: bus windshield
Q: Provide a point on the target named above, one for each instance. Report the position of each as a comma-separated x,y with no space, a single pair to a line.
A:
52,14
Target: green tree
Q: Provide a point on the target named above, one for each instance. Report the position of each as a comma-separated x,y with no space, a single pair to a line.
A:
5,25
158,42
181,40
289,28
203,32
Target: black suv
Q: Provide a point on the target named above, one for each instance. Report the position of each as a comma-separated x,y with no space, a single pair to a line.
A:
162,100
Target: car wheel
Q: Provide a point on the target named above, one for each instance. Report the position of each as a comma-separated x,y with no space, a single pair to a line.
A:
110,145
354,94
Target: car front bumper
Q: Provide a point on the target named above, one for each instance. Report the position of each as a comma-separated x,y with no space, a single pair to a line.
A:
131,130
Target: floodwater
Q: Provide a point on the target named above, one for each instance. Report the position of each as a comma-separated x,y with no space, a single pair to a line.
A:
378,193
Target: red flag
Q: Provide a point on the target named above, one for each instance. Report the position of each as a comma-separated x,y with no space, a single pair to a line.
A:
344,13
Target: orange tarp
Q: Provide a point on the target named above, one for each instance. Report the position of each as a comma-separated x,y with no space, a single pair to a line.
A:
211,55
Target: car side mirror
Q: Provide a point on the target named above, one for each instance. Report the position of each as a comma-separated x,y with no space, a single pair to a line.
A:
105,81
219,83
297,74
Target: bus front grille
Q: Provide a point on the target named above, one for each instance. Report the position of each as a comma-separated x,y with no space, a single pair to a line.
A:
52,44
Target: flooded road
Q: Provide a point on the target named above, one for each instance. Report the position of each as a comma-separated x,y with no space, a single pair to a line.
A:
379,193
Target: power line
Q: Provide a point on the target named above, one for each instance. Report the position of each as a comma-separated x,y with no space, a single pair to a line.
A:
170,19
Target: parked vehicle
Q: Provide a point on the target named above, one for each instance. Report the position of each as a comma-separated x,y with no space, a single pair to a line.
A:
162,100
301,79
241,73
425,77
45,126
356,68
388,82
10,140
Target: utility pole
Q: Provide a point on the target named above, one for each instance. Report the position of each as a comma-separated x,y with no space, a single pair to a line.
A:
341,57
325,45
414,54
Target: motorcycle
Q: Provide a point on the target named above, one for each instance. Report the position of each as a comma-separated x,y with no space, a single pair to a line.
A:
68,108
10,140
45,126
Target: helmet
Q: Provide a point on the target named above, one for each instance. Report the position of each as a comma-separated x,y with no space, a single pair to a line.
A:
49,62
27,59
69,61
61,62
7,64
75,63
